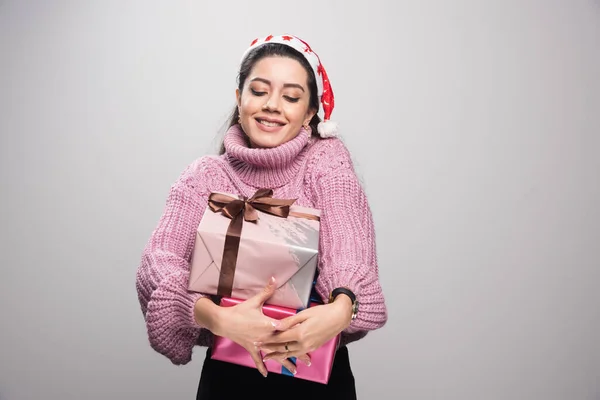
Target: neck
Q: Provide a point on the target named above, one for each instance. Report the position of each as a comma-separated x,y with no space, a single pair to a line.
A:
265,167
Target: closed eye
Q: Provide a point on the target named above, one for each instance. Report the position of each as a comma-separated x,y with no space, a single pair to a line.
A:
254,92
292,99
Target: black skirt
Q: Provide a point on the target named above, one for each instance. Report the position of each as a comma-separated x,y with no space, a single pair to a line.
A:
224,381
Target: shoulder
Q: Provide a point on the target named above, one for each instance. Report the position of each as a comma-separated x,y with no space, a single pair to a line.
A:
198,175
329,155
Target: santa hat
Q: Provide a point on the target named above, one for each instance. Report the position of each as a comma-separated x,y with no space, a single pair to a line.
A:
326,128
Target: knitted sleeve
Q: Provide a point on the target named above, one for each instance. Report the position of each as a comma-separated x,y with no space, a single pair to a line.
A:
347,247
162,276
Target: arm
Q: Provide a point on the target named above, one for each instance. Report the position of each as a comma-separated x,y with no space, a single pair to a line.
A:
162,276
348,249
347,259
174,315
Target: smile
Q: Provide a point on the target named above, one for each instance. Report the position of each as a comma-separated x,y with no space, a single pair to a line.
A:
269,123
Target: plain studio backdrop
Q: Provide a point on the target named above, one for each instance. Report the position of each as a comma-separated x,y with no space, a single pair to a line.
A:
475,129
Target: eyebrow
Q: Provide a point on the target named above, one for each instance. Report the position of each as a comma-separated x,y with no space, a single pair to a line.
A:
286,85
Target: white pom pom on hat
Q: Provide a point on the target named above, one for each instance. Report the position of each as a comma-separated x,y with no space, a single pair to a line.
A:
326,128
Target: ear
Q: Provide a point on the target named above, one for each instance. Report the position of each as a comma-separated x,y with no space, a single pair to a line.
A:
309,115
238,97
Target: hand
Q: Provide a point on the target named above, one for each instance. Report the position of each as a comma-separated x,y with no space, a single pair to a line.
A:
308,330
245,324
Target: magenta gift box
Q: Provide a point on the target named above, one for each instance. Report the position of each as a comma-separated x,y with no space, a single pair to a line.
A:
321,359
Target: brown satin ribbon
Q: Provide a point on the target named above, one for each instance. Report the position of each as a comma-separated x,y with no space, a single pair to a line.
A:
240,210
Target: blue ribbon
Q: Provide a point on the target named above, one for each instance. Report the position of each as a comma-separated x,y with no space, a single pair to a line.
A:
285,371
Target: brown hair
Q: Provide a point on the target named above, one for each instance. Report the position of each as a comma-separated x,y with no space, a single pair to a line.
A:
281,50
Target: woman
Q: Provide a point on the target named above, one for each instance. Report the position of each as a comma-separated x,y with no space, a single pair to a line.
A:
275,140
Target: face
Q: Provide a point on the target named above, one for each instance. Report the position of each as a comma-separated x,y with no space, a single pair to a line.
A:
274,103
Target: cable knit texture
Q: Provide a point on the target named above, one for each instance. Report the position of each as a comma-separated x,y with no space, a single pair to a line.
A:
320,174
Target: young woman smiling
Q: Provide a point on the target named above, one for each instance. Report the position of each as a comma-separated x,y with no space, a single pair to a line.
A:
275,140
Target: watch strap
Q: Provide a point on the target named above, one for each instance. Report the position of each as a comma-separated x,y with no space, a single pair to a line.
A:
343,290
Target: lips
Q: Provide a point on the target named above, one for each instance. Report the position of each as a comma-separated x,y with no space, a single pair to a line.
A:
270,122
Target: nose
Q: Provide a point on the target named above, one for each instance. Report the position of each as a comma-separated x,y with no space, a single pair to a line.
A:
272,103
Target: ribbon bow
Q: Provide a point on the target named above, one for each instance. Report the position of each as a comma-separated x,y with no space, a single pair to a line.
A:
262,200
240,210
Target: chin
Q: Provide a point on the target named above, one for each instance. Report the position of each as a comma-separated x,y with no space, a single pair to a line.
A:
267,141
259,138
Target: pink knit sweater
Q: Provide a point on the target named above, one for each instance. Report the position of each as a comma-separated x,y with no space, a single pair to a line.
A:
320,174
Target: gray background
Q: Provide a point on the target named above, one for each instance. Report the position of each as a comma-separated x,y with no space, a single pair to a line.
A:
475,127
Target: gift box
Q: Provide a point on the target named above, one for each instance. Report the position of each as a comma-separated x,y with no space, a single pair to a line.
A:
241,243
321,359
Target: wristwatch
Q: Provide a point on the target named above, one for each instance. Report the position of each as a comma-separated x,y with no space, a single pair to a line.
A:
343,290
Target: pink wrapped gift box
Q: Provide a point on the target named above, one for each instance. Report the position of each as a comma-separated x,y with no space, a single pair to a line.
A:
241,243
321,359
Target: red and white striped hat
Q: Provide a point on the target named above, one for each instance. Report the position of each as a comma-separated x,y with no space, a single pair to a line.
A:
326,128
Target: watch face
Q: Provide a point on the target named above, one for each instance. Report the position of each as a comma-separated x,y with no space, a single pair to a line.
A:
354,309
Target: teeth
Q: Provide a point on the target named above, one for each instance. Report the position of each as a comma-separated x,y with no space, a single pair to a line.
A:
268,123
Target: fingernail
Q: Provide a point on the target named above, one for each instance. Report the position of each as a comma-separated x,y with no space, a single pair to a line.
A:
264,373
272,280
275,324
293,371
257,344
308,363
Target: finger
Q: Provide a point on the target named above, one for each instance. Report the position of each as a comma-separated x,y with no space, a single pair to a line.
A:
279,347
272,348
272,325
283,355
280,338
265,351
264,294
290,322
289,365
259,362
305,358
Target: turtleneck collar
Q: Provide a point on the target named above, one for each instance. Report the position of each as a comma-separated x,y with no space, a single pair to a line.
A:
265,167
